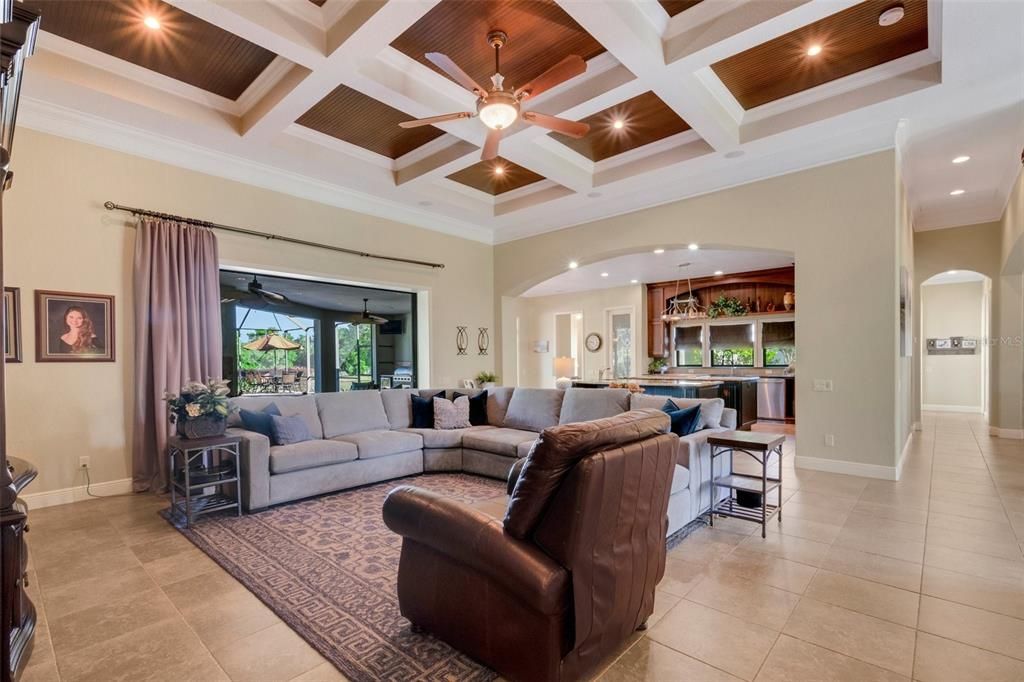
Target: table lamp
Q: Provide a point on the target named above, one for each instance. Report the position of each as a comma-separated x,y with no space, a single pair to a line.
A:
563,369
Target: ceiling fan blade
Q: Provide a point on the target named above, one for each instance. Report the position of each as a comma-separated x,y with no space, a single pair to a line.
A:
445,63
559,125
435,119
570,67
490,149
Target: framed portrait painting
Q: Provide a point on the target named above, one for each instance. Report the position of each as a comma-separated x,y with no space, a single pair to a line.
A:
72,327
12,324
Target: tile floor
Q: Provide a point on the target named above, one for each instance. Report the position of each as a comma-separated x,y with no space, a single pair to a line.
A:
864,580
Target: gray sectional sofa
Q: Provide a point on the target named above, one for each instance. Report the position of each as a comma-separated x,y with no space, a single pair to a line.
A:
362,437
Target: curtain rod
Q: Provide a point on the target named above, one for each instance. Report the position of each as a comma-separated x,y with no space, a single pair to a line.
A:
111,206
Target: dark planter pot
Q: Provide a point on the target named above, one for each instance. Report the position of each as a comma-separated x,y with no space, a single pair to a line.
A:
206,426
746,498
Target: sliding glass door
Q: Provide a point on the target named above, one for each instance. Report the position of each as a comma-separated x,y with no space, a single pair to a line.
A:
354,348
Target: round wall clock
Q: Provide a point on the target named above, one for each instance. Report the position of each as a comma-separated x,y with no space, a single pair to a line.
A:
593,342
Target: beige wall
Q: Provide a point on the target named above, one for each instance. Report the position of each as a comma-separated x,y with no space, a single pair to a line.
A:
840,222
979,248
907,391
58,236
537,323
955,309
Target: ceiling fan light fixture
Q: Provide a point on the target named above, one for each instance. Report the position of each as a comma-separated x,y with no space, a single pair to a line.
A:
499,110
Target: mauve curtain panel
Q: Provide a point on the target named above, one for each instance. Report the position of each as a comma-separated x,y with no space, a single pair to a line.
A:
177,332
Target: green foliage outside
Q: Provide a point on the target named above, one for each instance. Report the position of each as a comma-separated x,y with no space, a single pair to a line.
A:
355,350
778,356
732,357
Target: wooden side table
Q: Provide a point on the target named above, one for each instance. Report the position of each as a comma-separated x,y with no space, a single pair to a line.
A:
200,469
760,447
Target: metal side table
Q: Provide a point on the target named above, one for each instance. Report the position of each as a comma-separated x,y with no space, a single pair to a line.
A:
201,468
760,447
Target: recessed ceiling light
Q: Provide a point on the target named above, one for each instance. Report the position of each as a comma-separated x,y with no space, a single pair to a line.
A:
814,50
961,159
618,124
719,272
604,274
573,265
956,192
152,23
659,251
693,247
499,170
952,272
891,15
634,281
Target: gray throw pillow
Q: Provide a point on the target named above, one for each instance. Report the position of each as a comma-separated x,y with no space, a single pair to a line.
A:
289,430
451,414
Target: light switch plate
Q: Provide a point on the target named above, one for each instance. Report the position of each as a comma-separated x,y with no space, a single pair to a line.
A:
823,385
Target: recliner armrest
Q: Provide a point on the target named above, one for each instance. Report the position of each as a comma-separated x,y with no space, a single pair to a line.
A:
513,475
477,540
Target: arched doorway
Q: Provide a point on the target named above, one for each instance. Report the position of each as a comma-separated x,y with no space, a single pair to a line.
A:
955,330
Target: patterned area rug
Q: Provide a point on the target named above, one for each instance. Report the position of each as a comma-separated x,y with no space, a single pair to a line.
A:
328,567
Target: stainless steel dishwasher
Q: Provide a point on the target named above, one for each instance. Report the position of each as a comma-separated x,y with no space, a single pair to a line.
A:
771,399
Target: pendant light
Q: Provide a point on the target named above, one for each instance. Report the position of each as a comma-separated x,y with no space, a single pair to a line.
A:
688,308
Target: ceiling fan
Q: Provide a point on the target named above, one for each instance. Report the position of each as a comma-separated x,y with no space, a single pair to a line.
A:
272,297
499,108
367,317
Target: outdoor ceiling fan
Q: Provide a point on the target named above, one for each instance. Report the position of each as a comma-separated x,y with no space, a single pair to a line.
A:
272,297
369,318
499,108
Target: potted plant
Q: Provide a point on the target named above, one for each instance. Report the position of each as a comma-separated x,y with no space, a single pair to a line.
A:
727,306
657,366
486,379
200,410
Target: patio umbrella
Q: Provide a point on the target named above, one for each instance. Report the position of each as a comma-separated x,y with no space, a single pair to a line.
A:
272,342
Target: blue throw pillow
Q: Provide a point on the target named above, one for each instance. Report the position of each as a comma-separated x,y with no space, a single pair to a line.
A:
423,410
684,421
477,408
289,430
259,421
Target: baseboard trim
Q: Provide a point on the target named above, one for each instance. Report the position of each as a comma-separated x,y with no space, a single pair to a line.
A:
916,426
1015,434
52,498
971,409
840,466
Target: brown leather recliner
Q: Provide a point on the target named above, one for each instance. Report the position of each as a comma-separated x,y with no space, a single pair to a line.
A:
569,575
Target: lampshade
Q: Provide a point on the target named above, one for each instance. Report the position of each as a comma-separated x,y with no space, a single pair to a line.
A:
564,367
498,115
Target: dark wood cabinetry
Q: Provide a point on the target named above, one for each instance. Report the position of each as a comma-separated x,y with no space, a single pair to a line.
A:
742,397
759,290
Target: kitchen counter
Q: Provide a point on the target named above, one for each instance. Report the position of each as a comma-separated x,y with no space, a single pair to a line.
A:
660,380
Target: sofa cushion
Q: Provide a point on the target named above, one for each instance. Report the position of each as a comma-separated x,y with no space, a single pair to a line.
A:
259,421
534,409
523,449
398,407
309,454
451,414
710,408
586,404
558,451
450,438
382,443
500,441
302,405
498,399
477,407
684,420
289,430
680,479
350,412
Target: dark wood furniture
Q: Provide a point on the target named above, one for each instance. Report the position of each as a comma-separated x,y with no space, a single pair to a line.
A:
759,289
740,395
760,447
201,468
18,28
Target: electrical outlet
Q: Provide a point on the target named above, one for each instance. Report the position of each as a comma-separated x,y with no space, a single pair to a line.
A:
83,462
830,440
823,385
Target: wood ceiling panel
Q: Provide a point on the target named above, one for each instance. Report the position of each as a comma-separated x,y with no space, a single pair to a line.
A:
674,7
361,120
540,35
851,41
481,176
645,118
184,48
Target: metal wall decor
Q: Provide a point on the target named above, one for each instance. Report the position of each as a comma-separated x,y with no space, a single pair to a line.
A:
483,340
461,340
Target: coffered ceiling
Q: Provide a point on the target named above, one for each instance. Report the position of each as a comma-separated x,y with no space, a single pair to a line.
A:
305,97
